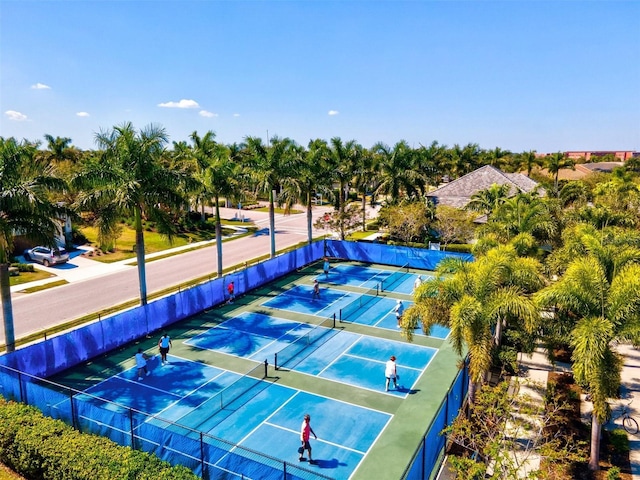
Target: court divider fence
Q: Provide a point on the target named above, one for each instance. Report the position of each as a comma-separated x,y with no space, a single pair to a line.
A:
23,372
300,348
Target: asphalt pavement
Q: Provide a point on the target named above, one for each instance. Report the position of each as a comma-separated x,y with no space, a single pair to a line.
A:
94,286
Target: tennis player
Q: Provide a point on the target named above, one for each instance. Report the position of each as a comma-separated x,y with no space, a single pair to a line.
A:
391,373
305,435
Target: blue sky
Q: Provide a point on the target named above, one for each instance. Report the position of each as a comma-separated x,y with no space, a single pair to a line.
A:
519,75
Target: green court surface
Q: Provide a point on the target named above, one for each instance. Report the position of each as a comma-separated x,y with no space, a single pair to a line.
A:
335,374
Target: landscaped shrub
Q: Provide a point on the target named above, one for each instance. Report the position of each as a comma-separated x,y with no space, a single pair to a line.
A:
39,447
24,267
459,247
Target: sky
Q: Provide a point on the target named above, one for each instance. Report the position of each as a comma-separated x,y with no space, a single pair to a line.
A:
515,74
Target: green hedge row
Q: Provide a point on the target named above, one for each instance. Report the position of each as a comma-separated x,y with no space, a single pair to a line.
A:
41,448
459,247
452,247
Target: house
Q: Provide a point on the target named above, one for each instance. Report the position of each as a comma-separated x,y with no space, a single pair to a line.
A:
459,192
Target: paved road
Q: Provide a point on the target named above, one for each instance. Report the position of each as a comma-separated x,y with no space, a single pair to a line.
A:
97,286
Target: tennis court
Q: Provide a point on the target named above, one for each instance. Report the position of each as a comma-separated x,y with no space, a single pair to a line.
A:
323,351
247,373
253,413
366,309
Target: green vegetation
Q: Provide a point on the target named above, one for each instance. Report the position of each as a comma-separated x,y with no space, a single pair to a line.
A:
154,242
40,447
558,270
46,286
26,277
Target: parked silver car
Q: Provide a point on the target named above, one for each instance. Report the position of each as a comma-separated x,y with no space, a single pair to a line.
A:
47,256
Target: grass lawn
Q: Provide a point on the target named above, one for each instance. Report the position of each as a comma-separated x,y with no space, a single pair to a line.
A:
153,241
26,277
8,474
277,210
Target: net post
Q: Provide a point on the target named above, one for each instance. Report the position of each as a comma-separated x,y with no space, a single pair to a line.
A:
266,367
377,289
74,424
202,465
275,361
334,320
340,315
133,438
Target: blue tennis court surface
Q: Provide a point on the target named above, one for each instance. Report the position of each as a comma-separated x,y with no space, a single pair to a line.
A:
375,311
330,353
397,281
264,417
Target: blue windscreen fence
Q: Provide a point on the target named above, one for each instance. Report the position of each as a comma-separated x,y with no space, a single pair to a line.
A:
23,372
427,458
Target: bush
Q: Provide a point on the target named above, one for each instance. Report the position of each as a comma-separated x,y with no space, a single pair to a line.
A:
78,238
459,247
24,267
39,447
613,473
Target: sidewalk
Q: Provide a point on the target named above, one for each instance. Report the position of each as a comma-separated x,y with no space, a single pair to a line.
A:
537,369
80,268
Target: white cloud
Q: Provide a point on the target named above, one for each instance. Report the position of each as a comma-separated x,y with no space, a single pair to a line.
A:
236,114
15,116
181,104
82,114
40,86
204,113
333,112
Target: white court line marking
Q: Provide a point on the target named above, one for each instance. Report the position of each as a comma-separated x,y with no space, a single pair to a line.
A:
382,362
372,444
320,440
269,416
193,408
356,340
346,294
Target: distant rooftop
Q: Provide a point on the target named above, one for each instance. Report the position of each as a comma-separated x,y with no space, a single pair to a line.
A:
459,192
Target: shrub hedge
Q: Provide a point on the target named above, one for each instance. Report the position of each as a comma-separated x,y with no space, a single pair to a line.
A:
42,448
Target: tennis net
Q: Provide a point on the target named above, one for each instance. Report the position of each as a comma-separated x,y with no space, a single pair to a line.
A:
396,277
237,389
359,303
317,335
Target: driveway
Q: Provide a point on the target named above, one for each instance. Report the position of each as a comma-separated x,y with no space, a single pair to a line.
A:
94,286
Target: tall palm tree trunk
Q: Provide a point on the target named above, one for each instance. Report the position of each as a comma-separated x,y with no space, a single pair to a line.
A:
7,309
218,236
594,457
142,277
272,224
309,219
364,209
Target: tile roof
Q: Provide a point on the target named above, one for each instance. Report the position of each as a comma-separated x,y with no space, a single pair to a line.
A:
459,192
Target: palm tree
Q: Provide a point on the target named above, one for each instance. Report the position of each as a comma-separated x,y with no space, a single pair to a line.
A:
488,200
397,173
218,177
311,179
556,162
497,157
25,209
601,298
129,180
528,160
463,160
430,161
342,160
271,165
523,213
476,300
364,178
